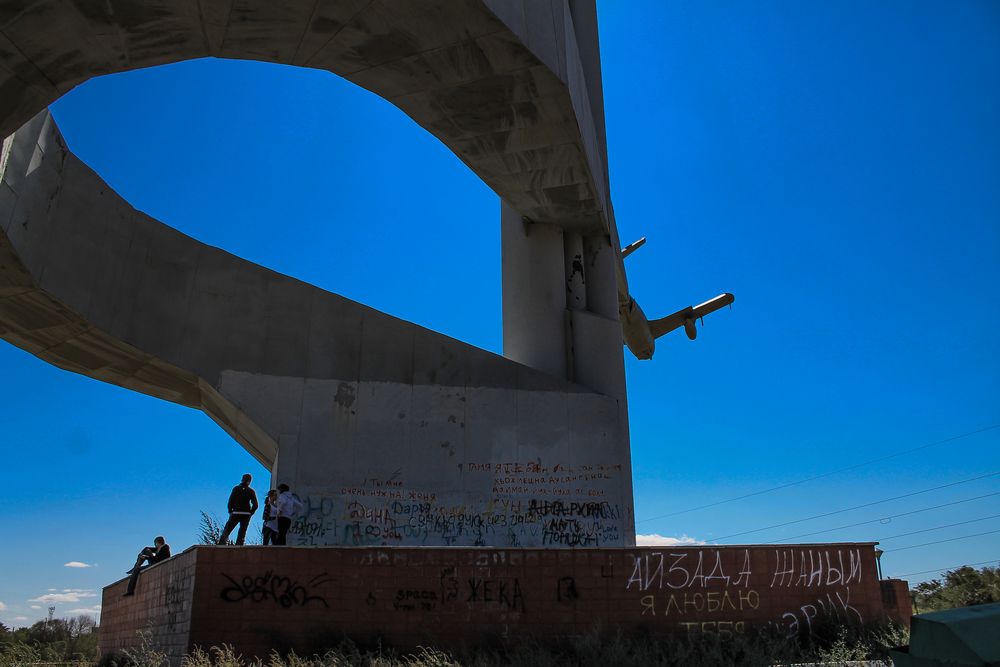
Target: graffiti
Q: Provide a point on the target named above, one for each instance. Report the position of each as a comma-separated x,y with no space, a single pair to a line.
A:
449,584
410,600
531,477
675,570
815,568
305,532
836,604
317,521
175,596
173,599
692,585
711,592
566,590
571,509
268,586
532,504
503,593
709,602
714,629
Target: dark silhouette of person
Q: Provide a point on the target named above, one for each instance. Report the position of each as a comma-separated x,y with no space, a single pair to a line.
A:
160,551
269,533
242,505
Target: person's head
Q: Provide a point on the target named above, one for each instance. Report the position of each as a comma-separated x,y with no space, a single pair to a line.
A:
159,541
247,478
282,488
272,494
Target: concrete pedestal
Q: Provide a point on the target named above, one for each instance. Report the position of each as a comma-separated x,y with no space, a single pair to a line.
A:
263,598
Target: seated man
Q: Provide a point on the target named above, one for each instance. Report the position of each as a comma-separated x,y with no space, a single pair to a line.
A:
160,551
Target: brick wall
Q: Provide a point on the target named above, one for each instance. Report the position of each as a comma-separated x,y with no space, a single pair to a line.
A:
161,605
307,598
896,600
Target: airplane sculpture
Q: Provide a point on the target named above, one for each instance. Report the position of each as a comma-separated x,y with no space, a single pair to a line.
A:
640,333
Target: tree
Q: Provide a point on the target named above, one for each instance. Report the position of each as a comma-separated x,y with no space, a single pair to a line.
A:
961,587
58,640
210,530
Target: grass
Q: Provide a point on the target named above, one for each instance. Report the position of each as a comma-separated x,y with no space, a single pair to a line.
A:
832,644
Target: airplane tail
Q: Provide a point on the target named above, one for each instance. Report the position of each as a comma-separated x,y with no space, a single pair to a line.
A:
686,317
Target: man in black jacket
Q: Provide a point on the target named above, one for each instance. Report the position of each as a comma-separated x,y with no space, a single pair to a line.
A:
242,505
160,551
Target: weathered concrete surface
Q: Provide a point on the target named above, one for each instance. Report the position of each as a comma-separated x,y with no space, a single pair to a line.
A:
263,598
393,434
503,83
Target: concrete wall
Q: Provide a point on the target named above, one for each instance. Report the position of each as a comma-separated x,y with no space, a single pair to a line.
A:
502,83
391,433
259,598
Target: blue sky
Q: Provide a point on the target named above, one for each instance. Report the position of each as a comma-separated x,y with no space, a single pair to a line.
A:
836,165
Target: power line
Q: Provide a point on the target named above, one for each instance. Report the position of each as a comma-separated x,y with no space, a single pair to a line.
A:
821,476
927,530
885,518
953,539
950,567
857,507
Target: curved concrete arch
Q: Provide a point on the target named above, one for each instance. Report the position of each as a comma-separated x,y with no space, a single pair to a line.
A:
501,83
394,433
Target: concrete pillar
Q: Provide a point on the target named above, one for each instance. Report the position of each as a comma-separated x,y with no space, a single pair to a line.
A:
599,266
576,289
534,293
555,318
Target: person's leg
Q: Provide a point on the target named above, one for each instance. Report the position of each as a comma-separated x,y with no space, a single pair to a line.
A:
134,579
241,535
284,524
230,524
267,536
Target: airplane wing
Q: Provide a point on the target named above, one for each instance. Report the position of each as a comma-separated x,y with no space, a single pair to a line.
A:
687,316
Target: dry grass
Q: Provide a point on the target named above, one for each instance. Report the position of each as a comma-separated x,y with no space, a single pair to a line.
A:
831,645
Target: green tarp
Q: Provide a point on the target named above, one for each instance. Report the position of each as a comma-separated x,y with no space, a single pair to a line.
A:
956,637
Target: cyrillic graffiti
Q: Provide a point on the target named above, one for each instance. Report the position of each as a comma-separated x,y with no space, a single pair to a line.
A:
676,585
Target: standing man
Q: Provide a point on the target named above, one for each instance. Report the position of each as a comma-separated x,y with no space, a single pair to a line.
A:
242,505
160,551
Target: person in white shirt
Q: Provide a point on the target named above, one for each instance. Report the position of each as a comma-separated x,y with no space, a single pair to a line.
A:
288,507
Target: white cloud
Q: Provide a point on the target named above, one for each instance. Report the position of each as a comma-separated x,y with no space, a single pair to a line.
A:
77,564
655,540
20,618
3,607
68,595
36,606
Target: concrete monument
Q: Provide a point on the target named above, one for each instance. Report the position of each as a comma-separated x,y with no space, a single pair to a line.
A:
391,433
